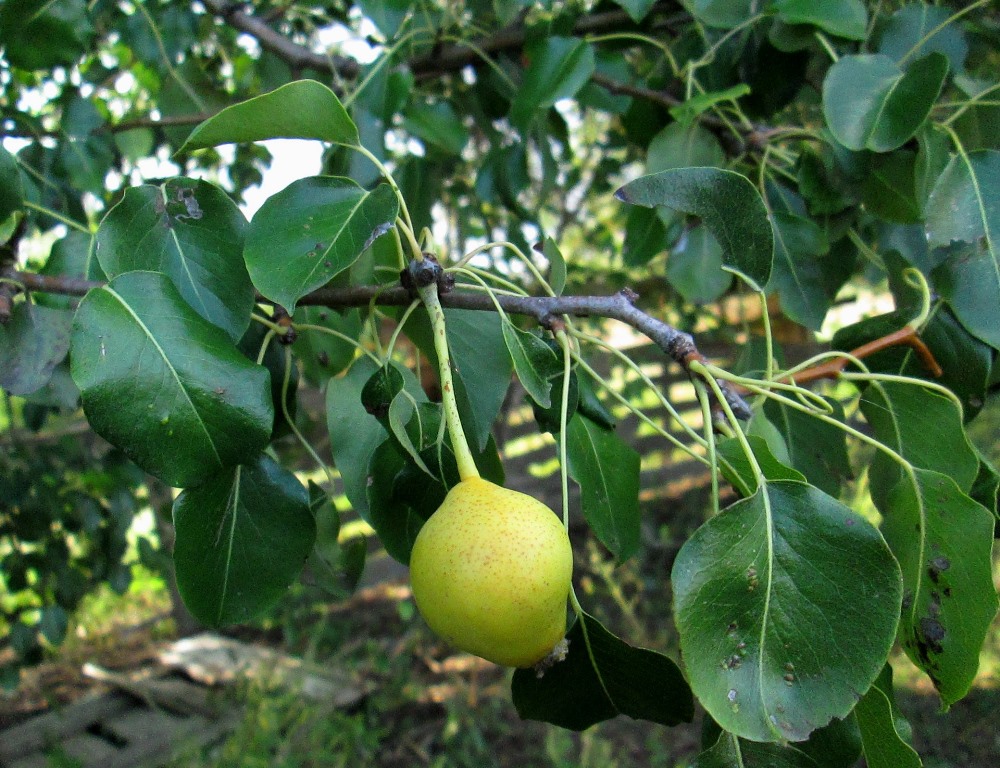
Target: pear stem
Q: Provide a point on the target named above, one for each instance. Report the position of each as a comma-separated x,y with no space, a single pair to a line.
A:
467,469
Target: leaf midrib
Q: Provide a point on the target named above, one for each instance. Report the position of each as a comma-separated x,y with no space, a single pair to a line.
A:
173,371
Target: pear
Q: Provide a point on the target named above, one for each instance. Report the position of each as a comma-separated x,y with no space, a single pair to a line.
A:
490,572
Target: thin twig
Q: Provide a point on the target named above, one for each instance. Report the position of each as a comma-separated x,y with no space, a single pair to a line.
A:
679,346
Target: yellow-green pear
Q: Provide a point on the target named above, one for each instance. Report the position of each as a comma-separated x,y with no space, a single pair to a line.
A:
490,572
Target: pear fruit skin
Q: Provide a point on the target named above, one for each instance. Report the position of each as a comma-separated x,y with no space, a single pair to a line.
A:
491,572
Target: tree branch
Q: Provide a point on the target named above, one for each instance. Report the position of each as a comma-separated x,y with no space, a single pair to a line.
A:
679,346
295,55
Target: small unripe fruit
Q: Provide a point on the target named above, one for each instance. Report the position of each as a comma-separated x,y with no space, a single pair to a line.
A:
490,572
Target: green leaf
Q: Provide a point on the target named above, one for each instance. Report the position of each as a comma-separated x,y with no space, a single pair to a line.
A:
694,267
303,109
242,538
803,276
354,433
645,237
837,745
917,29
535,362
165,385
943,542
32,343
880,724
557,266
688,111
559,68
843,18
600,678
607,470
889,189
482,366
923,427
11,192
737,470
192,232
323,355
786,604
437,125
387,15
721,13
815,448
274,361
986,487
683,146
870,103
728,204
312,231
637,9
932,157
964,206
39,36
550,419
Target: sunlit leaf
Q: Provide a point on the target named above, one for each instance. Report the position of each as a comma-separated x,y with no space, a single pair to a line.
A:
312,231
303,109
535,362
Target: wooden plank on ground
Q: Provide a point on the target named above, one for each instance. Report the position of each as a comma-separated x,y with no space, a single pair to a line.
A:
50,728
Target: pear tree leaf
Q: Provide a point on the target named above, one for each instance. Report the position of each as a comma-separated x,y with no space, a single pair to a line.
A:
986,487
889,189
815,448
304,109
721,13
799,276
728,204
736,468
965,206
787,604
402,410
884,732
560,66
600,678
482,366
694,267
242,538
843,18
323,355
535,362
312,231
32,343
557,265
11,192
871,103
923,427
607,470
688,111
192,232
837,745
39,36
355,434
165,385
943,541
637,9
917,29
